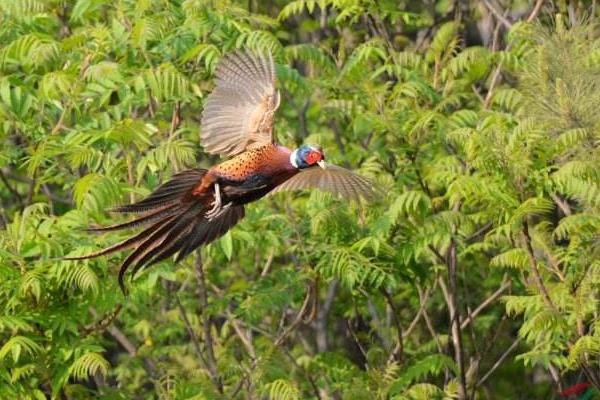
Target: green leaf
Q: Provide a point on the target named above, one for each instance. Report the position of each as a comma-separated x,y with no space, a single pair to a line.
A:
226,243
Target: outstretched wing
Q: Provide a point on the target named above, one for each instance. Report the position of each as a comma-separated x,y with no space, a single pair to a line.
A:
240,110
334,179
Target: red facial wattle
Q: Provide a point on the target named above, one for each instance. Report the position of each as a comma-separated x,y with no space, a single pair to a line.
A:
313,157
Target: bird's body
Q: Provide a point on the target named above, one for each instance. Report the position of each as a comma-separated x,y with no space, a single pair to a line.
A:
197,206
250,175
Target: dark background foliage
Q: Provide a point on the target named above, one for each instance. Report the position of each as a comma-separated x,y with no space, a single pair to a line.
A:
477,276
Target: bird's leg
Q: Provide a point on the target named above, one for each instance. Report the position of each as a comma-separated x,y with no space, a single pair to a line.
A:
215,210
217,202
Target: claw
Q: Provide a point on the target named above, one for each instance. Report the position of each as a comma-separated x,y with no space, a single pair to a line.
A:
217,213
217,210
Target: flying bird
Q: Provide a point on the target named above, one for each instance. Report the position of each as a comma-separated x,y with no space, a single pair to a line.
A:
197,206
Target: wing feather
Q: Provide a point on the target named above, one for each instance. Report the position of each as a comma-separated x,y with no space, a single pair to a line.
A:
334,179
239,112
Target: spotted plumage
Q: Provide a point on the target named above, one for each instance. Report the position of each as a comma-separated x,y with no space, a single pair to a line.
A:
258,159
197,206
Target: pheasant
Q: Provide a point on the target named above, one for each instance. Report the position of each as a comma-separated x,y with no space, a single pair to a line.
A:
197,206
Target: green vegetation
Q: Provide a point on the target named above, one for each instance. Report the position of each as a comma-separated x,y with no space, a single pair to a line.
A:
478,276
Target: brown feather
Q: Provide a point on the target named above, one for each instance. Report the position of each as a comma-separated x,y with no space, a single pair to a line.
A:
166,194
239,111
130,242
177,224
334,179
143,220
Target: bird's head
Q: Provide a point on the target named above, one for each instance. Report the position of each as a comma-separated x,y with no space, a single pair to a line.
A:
306,156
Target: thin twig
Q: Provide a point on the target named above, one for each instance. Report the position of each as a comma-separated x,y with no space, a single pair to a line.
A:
497,14
31,191
439,257
297,320
12,190
471,316
481,231
244,337
534,268
267,266
432,332
499,362
23,179
322,315
454,314
495,78
104,322
536,10
176,118
128,345
358,344
555,377
398,350
130,177
403,334
206,323
423,300
190,329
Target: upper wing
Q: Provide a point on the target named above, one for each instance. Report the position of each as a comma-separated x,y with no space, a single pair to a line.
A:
333,179
241,107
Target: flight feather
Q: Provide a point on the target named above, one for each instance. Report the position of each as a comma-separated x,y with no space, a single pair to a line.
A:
240,110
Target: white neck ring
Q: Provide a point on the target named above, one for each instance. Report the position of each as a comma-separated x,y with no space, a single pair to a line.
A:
293,158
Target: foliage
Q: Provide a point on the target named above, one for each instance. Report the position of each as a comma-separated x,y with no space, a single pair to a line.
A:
479,270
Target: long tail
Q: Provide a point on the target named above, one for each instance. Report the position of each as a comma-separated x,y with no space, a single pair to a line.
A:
176,224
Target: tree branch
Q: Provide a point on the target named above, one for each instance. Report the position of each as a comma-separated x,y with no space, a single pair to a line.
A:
398,350
12,190
534,268
507,24
191,332
176,118
206,323
321,321
128,345
455,319
536,10
499,362
481,231
297,320
505,285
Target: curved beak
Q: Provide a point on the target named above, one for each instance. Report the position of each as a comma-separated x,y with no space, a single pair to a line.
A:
322,164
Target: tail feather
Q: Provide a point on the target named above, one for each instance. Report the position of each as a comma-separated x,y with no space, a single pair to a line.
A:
143,209
132,241
153,201
207,231
178,225
153,241
178,237
166,194
165,237
169,246
143,220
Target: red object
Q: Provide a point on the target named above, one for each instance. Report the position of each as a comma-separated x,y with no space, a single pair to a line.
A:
575,389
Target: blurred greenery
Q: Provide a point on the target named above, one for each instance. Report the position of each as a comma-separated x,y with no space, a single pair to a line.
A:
477,277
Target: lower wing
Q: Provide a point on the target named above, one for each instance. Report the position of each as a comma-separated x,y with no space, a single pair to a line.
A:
334,179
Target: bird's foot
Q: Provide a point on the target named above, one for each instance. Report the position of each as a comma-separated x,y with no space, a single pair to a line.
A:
218,212
217,208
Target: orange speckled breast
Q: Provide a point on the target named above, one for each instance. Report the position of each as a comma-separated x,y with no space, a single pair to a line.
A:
267,159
